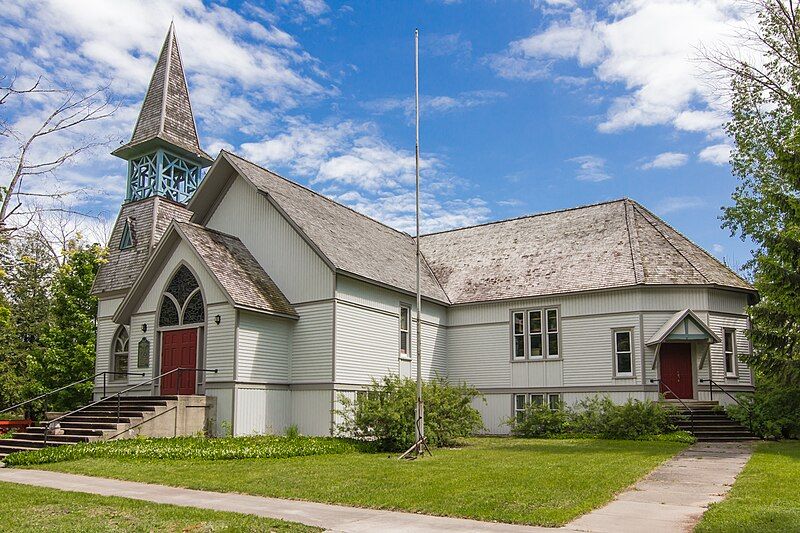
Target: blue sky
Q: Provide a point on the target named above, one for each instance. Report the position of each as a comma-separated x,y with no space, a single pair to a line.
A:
527,106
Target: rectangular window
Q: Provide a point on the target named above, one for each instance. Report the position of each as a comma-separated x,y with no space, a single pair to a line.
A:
729,347
623,353
535,334
554,401
519,406
519,335
537,399
552,333
405,331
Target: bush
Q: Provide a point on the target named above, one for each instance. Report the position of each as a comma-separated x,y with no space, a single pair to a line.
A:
596,416
261,447
775,410
385,412
538,420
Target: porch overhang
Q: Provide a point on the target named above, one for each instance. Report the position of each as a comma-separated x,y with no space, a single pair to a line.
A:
683,326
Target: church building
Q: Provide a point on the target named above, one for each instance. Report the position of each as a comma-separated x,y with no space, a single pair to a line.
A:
289,299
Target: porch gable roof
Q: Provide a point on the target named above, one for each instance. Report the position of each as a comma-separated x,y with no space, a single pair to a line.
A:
686,326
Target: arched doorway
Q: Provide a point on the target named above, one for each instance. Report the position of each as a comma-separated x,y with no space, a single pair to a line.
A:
180,319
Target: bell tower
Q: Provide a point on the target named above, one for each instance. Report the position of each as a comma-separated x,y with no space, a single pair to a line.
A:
164,155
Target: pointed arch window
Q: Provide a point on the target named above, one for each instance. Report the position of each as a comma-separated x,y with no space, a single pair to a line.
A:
182,302
119,353
128,239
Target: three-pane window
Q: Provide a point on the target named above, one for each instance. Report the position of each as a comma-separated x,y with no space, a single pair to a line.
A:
405,331
729,347
521,401
623,353
535,334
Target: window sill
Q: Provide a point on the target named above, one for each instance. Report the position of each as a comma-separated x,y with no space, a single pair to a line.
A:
540,360
404,358
623,376
729,376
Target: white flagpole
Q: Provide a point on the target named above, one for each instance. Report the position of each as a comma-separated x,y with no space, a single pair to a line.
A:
420,411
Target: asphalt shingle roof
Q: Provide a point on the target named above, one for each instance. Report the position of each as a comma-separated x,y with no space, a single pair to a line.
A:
603,246
236,270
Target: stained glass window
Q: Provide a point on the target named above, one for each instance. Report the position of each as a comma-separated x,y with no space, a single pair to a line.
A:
169,313
182,285
119,361
184,290
194,312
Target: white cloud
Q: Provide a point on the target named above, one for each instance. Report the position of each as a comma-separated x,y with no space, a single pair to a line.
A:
666,160
435,104
590,168
717,154
717,248
672,204
314,8
649,48
445,44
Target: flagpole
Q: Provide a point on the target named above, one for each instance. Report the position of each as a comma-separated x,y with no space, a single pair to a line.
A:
420,411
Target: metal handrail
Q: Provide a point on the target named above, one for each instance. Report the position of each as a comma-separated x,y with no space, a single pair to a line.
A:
685,406
712,384
74,383
119,394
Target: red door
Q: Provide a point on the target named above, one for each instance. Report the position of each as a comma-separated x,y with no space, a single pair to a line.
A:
676,370
178,350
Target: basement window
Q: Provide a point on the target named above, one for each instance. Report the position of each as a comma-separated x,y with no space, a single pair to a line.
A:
535,334
521,402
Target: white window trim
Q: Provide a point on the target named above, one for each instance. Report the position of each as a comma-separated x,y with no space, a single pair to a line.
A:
734,355
526,334
401,332
516,411
546,399
615,353
115,353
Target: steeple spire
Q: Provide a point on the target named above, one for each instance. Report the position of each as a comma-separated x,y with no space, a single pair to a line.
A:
164,152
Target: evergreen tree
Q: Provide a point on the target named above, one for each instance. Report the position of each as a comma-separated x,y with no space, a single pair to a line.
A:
765,128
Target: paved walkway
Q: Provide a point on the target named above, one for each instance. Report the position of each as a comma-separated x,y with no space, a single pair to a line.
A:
672,498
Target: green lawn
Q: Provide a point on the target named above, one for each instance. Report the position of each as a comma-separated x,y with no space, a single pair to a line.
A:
37,509
766,495
541,482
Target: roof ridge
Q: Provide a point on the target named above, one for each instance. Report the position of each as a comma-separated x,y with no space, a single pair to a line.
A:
705,252
633,242
645,215
534,215
312,191
206,228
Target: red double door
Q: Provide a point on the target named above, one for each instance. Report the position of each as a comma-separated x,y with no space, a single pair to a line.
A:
676,370
179,350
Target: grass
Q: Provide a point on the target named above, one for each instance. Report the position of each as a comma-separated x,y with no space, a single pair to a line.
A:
766,495
37,509
527,481
261,447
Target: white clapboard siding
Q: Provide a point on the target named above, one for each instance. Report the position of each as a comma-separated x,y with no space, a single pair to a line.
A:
542,373
571,398
728,302
312,411
382,299
212,293
221,421
294,266
264,347
367,344
261,411
312,344
652,322
576,305
106,329
339,408
586,343
220,342
133,360
434,350
479,355
718,323
106,307
495,410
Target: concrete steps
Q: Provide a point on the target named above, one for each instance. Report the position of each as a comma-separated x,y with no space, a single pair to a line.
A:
711,423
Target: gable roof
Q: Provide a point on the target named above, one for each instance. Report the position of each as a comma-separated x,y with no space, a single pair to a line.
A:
166,113
602,246
150,218
229,262
676,320
349,241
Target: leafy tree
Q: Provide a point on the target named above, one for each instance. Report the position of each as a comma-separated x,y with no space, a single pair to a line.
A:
765,128
70,342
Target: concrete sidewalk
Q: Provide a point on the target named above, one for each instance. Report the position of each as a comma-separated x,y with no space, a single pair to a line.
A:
674,496
671,498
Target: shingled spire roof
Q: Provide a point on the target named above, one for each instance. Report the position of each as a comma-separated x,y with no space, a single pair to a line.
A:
166,117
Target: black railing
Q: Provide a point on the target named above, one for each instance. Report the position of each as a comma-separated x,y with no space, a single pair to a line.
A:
52,423
712,384
73,384
685,406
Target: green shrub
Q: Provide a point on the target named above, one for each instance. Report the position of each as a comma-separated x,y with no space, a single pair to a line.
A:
538,420
775,410
385,412
596,416
260,447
